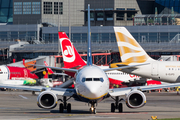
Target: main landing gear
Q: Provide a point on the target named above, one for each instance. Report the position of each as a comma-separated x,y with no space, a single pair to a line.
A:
92,109
64,105
117,105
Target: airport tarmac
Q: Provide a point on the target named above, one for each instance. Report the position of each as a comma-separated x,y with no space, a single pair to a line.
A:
22,105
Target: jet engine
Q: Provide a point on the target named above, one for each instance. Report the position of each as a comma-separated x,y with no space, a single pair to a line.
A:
135,99
47,100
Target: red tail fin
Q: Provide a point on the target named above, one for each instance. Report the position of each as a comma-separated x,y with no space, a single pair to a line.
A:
71,57
48,69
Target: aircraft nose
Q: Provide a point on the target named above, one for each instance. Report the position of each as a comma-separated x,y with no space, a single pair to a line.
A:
93,91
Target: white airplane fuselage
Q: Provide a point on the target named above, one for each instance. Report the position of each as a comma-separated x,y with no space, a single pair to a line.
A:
166,71
92,84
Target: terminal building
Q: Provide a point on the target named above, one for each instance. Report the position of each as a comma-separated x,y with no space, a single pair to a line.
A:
29,28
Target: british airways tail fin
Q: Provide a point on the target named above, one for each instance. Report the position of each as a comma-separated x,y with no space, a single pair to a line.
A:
70,55
89,54
129,48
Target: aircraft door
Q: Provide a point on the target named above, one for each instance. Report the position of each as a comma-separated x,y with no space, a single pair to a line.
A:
154,69
4,72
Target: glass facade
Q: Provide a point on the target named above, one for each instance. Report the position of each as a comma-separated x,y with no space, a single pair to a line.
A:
172,5
110,37
36,8
82,37
47,7
50,38
56,8
155,37
6,11
13,35
17,7
26,7
160,19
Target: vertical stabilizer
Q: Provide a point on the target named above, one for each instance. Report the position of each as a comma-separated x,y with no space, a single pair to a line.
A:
89,54
48,69
70,55
129,48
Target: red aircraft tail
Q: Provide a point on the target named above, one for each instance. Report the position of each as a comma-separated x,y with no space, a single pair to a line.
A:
71,57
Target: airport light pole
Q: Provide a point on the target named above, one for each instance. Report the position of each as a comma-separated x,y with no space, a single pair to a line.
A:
58,30
69,17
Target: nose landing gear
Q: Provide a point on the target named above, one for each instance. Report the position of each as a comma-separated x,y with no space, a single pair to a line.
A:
92,109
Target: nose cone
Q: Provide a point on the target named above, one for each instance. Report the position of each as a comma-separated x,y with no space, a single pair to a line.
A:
94,91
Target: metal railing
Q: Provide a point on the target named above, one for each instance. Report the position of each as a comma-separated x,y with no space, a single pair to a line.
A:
103,47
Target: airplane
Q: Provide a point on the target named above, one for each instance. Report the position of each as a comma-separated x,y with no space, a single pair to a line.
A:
16,76
132,53
14,73
91,86
116,78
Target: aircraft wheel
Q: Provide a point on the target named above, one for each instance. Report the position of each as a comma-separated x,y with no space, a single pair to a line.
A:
69,108
120,107
33,93
90,111
61,108
94,111
112,107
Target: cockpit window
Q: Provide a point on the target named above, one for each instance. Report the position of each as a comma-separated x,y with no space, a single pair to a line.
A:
92,79
96,79
88,79
83,80
101,79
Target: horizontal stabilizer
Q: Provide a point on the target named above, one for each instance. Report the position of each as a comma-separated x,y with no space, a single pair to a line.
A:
57,68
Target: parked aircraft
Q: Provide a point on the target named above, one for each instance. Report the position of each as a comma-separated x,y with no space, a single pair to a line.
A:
91,86
132,53
116,78
11,72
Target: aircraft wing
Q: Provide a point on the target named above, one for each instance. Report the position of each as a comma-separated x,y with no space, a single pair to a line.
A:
60,74
57,91
124,91
63,91
56,68
124,67
23,87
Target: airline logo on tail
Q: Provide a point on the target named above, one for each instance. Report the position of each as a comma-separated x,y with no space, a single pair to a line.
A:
67,49
130,50
71,57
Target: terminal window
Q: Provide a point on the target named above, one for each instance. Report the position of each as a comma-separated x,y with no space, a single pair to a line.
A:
56,8
47,7
130,15
17,7
120,16
26,7
36,7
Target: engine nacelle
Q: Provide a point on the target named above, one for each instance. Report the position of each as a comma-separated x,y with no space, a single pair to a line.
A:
135,99
47,100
